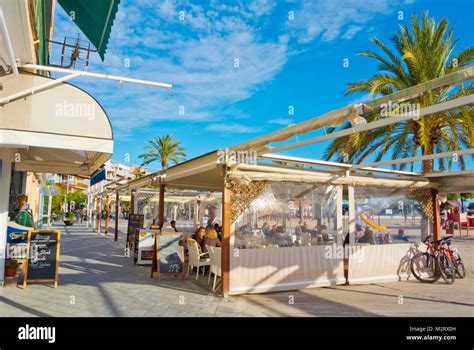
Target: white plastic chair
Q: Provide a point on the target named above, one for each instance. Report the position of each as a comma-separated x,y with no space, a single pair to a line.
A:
215,257
195,259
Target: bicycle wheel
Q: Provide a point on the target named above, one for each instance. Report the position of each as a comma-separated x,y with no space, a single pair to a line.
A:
446,269
424,267
459,265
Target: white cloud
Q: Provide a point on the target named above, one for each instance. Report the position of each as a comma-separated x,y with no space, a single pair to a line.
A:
328,19
280,121
197,55
351,31
233,128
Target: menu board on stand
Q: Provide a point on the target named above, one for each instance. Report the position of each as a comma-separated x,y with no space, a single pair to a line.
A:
42,257
135,222
168,257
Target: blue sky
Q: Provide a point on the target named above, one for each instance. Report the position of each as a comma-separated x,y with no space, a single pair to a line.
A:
283,64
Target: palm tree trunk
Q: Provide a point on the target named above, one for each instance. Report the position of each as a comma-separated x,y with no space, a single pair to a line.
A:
427,165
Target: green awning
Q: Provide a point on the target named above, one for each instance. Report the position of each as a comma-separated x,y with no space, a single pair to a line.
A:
94,18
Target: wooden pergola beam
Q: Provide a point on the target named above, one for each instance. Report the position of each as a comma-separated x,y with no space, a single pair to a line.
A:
161,207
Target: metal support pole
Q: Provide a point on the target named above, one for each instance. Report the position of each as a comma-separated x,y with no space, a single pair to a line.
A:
225,261
352,215
107,214
161,207
117,202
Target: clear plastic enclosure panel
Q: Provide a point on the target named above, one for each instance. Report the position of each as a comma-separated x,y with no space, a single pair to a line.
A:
389,215
288,215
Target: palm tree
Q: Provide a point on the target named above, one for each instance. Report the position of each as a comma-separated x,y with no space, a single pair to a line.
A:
284,163
420,55
165,149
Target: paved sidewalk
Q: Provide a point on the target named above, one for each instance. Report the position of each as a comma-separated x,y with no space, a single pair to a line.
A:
95,279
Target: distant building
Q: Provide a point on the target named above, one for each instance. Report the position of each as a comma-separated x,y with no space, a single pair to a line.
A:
69,182
138,171
122,173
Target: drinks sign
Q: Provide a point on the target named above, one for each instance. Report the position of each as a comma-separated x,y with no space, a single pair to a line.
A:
42,257
168,254
135,221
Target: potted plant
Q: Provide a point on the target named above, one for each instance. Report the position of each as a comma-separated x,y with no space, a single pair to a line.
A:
69,218
11,267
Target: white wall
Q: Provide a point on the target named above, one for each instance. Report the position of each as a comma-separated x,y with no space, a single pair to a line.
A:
380,263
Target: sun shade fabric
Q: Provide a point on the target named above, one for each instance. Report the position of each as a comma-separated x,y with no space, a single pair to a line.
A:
330,119
61,129
94,18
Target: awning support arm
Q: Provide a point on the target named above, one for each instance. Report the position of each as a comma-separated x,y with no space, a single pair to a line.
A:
8,43
280,157
97,75
440,107
34,89
414,159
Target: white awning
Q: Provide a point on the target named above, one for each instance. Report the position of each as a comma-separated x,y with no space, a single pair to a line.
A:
60,129
20,32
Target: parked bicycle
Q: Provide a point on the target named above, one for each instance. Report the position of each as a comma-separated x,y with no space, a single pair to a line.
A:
439,260
454,257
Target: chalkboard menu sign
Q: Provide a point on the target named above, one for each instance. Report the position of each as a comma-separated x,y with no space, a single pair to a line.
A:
169,254
135,221
42,257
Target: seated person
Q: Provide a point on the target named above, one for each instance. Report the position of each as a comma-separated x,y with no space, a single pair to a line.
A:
401,236
199,237
265,229
359,231
218,230
173,225
304,227
323,232
273,231
368,237
298,229
210,240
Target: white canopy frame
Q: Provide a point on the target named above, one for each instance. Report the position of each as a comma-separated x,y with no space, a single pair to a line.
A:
342,166
351,113
441,107
413,159
209,171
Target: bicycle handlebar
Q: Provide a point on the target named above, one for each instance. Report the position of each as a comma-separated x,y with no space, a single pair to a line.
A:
443,239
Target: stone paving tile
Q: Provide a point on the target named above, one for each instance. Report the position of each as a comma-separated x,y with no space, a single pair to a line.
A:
105,283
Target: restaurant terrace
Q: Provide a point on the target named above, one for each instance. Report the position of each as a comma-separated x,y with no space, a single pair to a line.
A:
316,208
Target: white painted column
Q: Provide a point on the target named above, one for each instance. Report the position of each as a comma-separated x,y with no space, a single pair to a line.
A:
99,214
88,207
5,178
50,199
196,215
352,215
339,216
